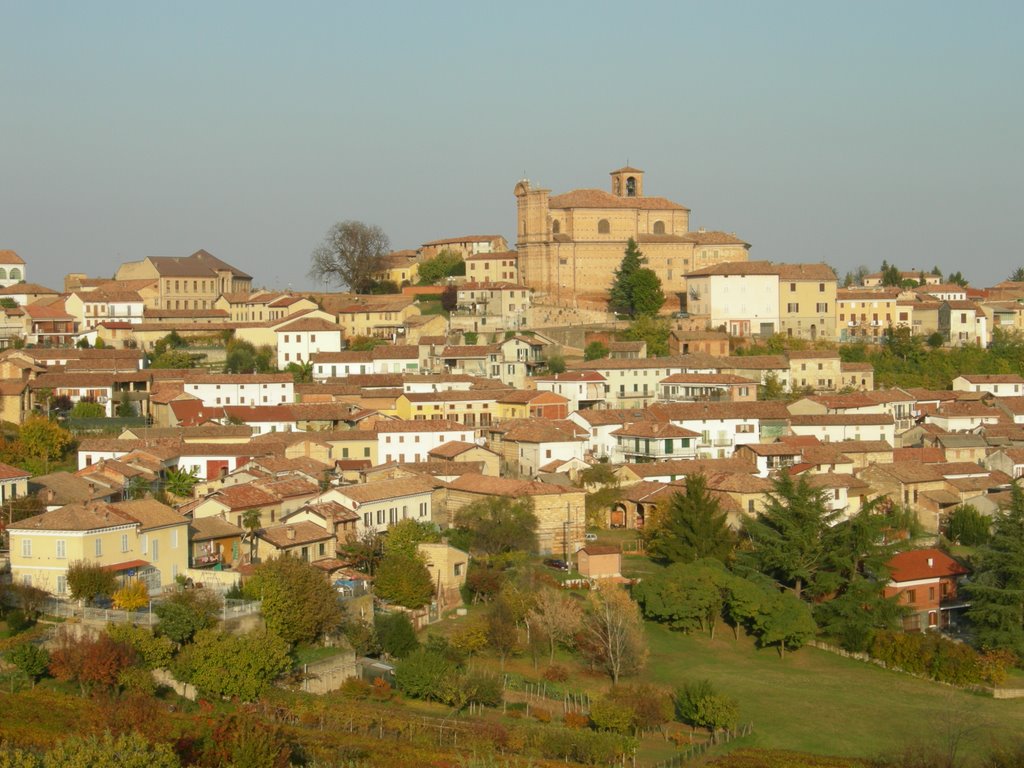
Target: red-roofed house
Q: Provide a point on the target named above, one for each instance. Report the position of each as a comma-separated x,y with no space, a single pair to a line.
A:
926,581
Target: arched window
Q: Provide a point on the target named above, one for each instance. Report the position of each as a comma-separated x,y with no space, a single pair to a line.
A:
3,273
603,227
659,227
631,186
556,227
15,273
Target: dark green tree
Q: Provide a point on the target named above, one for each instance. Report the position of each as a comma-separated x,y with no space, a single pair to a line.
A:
967,526
299,605
996,590
595,350
786,623
685,596
891,276
1017,276
395,634
500,524
31,659
403,579
691,527
957,278
423,674
620,295
446,264
555,362
654,331
87,581
646,296
788,539
186,613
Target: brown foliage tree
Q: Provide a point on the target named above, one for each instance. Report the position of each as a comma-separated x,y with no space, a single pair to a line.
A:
613,633
556,616
92,662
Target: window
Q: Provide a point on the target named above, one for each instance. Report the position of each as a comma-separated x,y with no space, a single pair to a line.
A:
458,569
792,287
793,308
821,287
931,593
822,307
603,227
99,548
62,585
26,547
911,595
124,542
154,555
659,227
556,227
174,539
62,550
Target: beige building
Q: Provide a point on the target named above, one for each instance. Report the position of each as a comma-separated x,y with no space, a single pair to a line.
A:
135,539
464,245
807,301
501,267
191,282
571,244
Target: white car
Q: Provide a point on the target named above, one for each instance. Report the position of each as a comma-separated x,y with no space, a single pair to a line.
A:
590,536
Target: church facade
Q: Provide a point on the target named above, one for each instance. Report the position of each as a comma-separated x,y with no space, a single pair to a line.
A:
570,244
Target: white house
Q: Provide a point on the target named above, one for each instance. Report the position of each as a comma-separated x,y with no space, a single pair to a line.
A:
12,268
742,296
383,503
299,341
389,358
833,428
241,389
583,389
408,441
1000,385
90,308
722,426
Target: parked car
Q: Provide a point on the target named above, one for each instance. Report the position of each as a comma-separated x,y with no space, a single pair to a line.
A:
590,536
558,565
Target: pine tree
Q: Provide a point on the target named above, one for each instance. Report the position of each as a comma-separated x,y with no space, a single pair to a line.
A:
997,589
620,296
789,538
692,527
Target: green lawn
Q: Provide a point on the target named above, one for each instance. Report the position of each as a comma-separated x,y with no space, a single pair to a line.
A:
818,702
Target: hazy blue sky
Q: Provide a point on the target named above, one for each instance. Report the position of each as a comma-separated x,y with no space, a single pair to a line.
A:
844,132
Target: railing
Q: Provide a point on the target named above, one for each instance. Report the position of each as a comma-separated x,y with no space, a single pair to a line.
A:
66,609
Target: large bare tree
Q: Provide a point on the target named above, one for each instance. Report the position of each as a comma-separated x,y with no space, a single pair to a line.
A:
556,615
613,632
351,255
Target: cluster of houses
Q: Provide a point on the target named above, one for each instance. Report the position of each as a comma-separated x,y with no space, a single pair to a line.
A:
427,424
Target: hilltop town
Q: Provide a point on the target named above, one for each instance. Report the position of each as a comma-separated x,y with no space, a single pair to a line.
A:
494,494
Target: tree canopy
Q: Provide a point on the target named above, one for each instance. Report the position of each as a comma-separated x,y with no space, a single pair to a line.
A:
499,524
691,526
298,603
445,264
351,255
635,290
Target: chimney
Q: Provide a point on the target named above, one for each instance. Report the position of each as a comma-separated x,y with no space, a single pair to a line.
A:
291,537
931,562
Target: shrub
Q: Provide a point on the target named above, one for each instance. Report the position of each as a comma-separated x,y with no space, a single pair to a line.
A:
137,680
556,673
90,662
609,714
422,675
31,659
233,666
18,622
395,634
86,581
187,612
132,597
541,715
356,688
154,651
576,720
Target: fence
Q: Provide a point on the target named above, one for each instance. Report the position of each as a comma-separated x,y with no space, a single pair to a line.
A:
698,750
65,609
525,691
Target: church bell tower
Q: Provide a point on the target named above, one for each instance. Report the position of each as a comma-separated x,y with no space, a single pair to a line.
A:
628,182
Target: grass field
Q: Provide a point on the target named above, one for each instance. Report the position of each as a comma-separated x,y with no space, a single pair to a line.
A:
811,700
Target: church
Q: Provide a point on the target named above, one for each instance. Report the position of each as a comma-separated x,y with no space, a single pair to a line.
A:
570,244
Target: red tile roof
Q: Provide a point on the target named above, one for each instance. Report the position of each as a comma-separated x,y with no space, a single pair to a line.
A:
917,564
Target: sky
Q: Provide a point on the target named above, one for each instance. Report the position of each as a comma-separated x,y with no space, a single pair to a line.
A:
844,132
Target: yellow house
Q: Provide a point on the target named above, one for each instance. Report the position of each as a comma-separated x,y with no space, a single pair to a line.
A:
865,314
469,407
136,539
807,301
192,282
379,317
400,267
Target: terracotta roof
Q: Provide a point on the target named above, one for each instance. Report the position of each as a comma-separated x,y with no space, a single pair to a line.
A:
597,198
573,376
684,467
385,489
841,419
149,513
771,449
452,449
7,472
25,288
911,472
503,255
429,425
706,378
862,446
288,535
310,324
813,354
783,271
214,527
992,378
918,564
199,264
712,411
470,351
499,486
654,429
10,257
738,482
465,239
88,516
920,455
754,362
601,549
243,496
